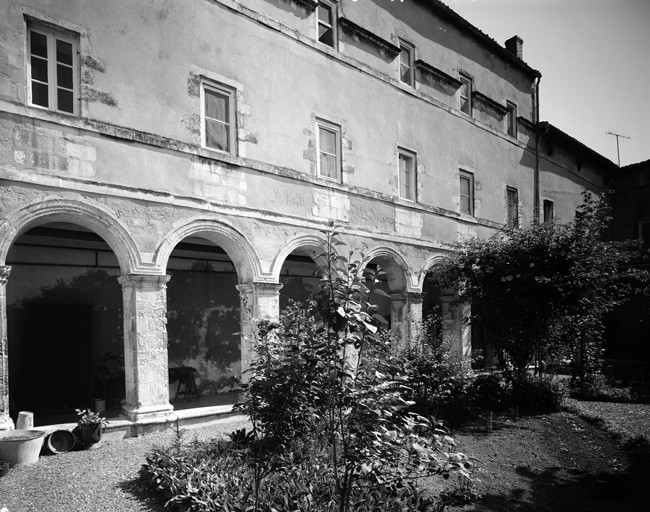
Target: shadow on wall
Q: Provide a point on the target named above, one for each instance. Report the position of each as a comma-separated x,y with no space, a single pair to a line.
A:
203,325
57,341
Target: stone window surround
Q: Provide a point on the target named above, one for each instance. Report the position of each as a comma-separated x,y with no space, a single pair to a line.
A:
231,93
413,156
467,175
410,48
333,26
53,34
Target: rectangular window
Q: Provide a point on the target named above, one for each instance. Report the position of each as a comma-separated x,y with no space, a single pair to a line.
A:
465,95
513,207
512,119
549,213
466,192
407,175
53,69
406,60
327,23
218,113
329,150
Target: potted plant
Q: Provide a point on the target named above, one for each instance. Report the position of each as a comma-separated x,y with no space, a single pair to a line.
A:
90,426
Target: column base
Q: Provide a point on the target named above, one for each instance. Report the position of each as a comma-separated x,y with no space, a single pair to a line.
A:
151,414
6,423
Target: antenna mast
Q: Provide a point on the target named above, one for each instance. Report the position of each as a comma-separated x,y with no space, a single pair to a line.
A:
618,153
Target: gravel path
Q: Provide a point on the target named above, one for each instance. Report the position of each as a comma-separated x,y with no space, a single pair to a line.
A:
103,479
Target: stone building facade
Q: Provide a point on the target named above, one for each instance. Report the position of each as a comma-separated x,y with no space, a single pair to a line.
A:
202,148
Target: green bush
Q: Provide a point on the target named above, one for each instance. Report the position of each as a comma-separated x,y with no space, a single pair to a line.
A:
216,476
537,394
599,389
490,391
438,384
331,428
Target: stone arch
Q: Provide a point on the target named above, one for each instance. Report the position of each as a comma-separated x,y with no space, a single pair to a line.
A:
312,245
92,216
238,248
431,262
394,265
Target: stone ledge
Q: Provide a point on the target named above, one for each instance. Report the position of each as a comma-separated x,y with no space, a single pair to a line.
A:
363,33
122,428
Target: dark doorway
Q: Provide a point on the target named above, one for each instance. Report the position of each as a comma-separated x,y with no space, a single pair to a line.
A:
54,373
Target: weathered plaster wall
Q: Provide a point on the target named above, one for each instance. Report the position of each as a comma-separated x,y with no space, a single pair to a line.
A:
131,169
276,126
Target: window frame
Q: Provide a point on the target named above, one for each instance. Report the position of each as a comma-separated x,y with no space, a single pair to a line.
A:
548,205
333,26
511,123
410,156
468,83
463,174
231,93
410,48
336,129
512,214
52,35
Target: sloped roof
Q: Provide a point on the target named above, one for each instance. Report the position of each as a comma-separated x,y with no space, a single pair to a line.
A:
481,36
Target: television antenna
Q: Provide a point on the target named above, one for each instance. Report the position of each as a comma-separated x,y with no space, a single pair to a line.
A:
618,153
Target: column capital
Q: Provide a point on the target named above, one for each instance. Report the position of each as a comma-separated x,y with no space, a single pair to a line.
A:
144,281
414,297
260,289
5,270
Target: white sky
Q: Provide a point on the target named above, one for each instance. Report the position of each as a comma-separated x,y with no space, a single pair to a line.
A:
594,56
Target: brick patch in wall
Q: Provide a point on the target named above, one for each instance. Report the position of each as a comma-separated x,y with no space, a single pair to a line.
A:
408,223
218,184
53,150
329,204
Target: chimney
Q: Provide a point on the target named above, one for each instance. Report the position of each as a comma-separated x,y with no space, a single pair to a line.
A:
515,45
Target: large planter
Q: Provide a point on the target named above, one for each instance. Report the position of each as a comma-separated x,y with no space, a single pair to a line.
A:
90,433
21,447
60,441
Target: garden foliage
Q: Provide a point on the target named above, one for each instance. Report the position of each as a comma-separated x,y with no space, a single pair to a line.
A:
545,289
331,427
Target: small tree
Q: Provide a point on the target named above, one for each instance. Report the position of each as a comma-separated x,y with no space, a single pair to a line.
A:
327,374
545,289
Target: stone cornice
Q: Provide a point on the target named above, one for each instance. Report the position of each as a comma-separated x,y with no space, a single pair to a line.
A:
438,74
526,123
351,27
310,5
489,102
144,281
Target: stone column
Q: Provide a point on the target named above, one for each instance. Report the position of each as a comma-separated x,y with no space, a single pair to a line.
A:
456,329
259,301
398,319
145,347
406,317
6,422
414,303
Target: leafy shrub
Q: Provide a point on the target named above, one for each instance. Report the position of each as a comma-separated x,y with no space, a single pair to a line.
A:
213,476
599,389
537,394
490,391
438,384
331,428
